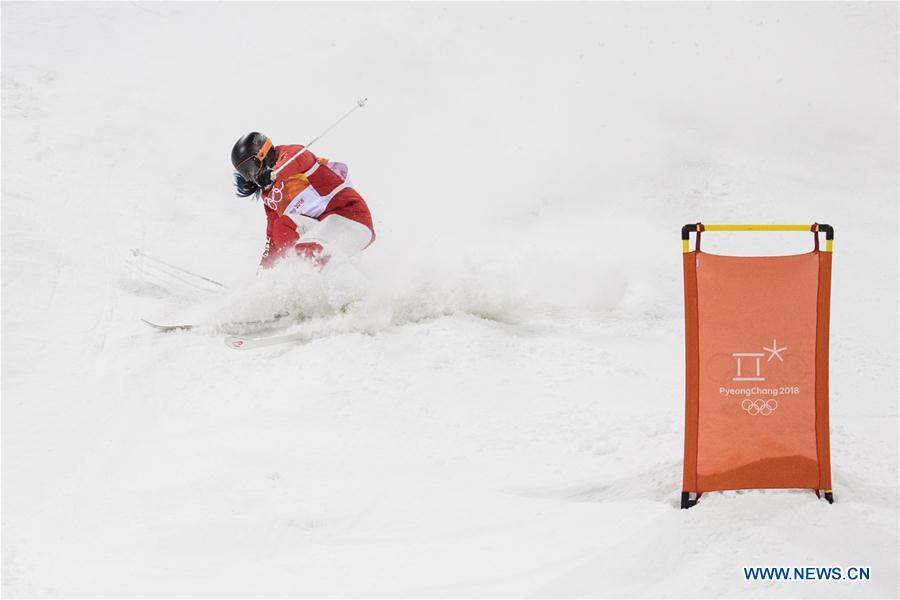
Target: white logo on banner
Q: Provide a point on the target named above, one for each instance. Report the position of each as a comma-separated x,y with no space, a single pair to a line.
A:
754,373
760,406
752,366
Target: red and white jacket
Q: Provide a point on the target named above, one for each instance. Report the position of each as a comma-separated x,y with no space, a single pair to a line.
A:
306,186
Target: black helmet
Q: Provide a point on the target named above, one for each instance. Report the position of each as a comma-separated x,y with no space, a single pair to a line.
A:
253,157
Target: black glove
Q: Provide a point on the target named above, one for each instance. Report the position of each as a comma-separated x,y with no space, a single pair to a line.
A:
265,179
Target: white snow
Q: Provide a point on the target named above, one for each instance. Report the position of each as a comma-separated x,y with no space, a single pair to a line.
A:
501,411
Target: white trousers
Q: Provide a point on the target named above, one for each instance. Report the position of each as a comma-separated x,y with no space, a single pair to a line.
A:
335,233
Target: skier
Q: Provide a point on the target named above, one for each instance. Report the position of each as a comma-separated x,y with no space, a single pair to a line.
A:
312,208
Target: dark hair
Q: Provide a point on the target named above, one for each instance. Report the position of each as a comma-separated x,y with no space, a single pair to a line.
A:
244,188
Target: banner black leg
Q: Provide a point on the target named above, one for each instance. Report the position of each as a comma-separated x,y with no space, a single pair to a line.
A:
829,495
686,501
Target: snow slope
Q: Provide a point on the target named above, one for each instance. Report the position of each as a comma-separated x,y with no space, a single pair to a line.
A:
500,414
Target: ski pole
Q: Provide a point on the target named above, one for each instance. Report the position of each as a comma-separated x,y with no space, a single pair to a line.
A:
139,252
359,104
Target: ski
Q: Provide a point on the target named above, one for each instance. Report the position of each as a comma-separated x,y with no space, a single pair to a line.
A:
259,323
251,343
159,327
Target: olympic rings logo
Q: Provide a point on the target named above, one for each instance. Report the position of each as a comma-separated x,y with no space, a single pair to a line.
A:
274,197
760,406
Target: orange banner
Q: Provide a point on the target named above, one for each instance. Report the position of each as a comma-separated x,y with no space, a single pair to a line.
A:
756,410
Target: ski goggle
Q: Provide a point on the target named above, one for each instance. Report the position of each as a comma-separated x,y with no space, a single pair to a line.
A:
249,168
